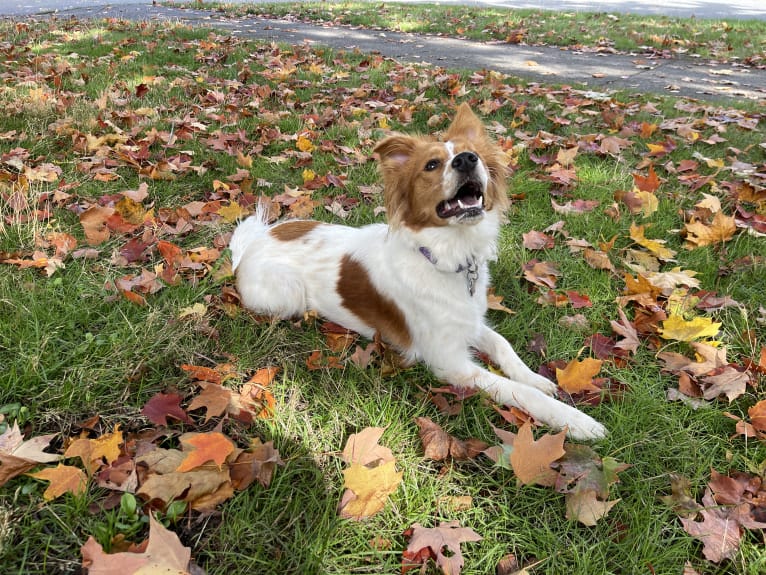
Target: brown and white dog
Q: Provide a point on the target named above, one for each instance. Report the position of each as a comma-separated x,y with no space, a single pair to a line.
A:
420,281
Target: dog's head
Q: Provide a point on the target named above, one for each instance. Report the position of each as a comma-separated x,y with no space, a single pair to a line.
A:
453,181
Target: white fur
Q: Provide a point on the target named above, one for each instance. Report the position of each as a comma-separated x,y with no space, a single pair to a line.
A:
444,320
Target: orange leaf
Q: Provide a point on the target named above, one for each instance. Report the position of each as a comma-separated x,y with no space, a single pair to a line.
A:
578,376
531,460
212,446
63,479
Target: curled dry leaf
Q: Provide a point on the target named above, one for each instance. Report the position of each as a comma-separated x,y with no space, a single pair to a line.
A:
438,445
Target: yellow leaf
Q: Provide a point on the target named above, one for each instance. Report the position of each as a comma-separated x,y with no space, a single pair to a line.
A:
304,144
371,488
679,329
244,161
649,202
308,175
232,212
578,376
720,230
654,246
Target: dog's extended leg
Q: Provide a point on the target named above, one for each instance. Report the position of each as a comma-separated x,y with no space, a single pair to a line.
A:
539,405
501,352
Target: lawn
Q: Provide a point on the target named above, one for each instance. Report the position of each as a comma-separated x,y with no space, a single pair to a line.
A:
740,42
127,154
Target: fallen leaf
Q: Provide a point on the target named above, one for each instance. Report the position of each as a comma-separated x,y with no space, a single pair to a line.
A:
370,488
444,544
163,405
577,376
63,479
531,460
211,446
679,329
163,553
362,448
438,445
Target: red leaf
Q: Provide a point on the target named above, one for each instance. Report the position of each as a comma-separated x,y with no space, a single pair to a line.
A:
162,406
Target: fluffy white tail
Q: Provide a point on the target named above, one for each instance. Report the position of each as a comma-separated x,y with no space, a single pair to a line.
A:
247,232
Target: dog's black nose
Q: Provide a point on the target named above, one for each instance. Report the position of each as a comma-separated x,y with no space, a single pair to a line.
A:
465,162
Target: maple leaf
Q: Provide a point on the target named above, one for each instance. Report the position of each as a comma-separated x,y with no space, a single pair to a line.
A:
162,552
541,273
63,479
362,448
212,446
625,328
657,247
92,451
598,259
578,376
446,538
94,224
534,240
575,207
257,463
585,507
369,489
649,183
720,230
720,535
439,445
214,398
679,329
531,460
729,382
757,415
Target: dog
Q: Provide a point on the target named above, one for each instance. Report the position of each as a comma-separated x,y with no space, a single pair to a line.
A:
421,281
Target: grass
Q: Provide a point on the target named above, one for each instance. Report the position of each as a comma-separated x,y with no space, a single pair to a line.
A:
71,347
741,41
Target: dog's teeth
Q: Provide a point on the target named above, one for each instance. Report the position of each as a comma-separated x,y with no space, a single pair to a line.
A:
460,204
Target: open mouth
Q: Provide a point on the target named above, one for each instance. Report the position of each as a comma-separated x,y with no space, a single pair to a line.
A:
468,202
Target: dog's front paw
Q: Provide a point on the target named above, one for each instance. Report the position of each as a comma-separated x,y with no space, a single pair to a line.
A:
542,383
585,428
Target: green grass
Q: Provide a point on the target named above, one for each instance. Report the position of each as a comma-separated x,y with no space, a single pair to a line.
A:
721,40
71,347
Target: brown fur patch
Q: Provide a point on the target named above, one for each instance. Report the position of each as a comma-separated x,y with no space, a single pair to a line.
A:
361,298
289,231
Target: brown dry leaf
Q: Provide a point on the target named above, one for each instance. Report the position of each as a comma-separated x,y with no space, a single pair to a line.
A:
625,328
214,398
531,460
534,240
757,415
443,542
369,487
63,479
598,259
541,273
439,445
93,222
720,535
162,553
585,507
578,376
729,382
257,463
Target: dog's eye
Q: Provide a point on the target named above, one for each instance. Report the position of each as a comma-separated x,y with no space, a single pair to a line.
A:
432,165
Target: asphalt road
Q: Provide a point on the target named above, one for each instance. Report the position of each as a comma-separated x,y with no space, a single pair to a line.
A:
599,72
734,9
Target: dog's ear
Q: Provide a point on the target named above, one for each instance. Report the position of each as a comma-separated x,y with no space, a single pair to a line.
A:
466,124
395,151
